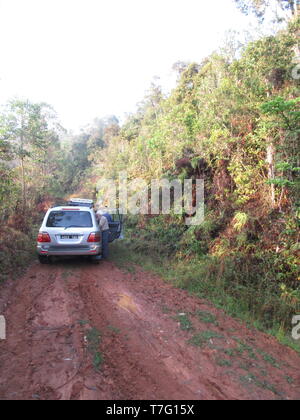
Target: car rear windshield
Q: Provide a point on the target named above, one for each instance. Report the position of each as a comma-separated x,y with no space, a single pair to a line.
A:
66,219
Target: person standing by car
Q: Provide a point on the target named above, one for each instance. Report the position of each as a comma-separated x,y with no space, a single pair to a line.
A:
104,211
104,227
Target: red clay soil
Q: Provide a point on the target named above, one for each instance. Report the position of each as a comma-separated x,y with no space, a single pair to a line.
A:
77,331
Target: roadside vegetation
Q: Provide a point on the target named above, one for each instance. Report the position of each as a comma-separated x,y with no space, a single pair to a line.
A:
235,124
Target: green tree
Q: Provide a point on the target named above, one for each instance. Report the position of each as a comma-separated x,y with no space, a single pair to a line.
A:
27,131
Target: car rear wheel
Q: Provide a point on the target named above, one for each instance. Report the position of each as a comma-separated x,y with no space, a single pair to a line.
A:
43,259
96,259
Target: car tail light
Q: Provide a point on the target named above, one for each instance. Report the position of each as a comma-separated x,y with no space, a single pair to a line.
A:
94,237
44,237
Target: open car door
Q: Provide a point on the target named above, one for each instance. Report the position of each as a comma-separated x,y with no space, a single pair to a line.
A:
115,227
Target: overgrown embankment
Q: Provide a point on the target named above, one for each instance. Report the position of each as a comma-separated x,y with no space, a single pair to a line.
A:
16,251
18,238
234,124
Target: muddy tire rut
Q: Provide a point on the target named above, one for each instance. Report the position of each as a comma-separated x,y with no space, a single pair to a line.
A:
80,331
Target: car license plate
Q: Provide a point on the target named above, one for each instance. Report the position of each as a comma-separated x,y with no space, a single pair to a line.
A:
69,236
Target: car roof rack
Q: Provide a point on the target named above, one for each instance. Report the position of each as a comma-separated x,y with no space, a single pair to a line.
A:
75,202
81,202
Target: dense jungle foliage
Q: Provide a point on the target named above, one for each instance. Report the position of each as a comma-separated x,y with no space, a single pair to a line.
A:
235,124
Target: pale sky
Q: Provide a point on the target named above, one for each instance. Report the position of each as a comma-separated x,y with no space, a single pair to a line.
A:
91,58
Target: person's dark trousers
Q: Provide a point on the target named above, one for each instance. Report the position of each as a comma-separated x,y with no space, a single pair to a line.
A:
105,237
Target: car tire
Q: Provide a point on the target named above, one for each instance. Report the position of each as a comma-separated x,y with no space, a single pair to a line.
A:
96,259
43,259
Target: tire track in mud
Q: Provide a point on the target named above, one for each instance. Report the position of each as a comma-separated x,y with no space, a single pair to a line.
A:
143,352
142,361
133,359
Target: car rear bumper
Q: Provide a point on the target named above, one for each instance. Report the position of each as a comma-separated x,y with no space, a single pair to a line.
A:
68,250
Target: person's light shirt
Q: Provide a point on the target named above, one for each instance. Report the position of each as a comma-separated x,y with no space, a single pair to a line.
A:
103,223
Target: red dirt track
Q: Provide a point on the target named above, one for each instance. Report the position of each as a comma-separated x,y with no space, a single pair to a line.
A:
146,350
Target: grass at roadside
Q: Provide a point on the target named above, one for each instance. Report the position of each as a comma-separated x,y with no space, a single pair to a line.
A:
241,302
17,250
93,337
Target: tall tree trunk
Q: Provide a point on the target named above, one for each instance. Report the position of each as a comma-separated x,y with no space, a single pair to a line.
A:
23,167
271,170
23,185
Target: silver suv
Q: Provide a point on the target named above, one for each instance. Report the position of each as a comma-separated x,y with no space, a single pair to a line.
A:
69,230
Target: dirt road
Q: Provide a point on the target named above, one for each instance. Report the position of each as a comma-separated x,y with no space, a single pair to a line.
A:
80,331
